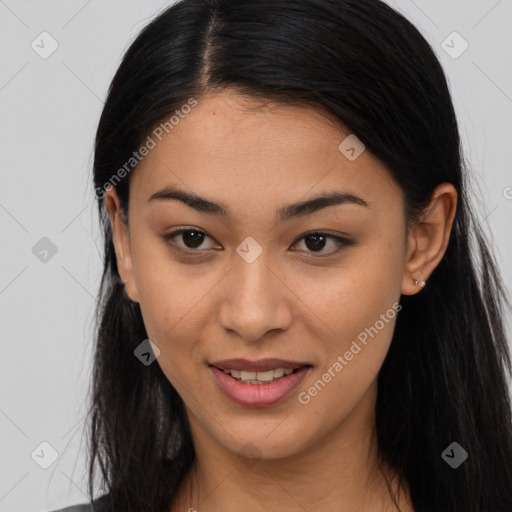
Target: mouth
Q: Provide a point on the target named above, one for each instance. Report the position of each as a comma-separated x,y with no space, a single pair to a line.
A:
261,377
257,371
258,383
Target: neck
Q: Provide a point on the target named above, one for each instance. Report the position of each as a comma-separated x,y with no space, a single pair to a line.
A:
339,472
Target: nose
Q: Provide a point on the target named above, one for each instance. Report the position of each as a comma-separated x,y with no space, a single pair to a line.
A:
256,299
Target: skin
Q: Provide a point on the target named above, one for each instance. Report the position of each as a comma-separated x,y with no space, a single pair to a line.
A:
291,302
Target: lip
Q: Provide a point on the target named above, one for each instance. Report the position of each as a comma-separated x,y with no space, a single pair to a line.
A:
259,395
259,365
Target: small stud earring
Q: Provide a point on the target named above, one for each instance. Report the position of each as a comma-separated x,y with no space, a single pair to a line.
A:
421,283
124,282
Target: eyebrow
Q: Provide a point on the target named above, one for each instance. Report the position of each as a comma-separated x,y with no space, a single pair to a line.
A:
300,209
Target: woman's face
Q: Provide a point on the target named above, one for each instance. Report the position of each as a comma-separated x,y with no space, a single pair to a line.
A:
251,284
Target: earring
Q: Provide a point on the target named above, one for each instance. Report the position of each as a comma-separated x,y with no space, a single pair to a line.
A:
123,281
421,283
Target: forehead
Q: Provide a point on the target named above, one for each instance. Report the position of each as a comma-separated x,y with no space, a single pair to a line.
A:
228,126
229,145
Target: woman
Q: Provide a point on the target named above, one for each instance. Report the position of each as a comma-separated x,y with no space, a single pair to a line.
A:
293,316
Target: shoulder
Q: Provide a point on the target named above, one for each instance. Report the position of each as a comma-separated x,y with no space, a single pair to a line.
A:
83,507
99,506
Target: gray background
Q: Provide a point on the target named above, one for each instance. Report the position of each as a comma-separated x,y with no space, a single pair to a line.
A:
49,112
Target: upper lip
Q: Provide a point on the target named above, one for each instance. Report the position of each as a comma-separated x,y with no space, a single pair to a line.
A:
259,365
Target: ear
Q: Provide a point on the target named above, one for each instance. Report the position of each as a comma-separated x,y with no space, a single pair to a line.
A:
429,237
121,240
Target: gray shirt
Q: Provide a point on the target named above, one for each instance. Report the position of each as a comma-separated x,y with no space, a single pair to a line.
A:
84,507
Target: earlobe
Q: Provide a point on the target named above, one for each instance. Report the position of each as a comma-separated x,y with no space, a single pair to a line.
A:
414,280
121,241
428,239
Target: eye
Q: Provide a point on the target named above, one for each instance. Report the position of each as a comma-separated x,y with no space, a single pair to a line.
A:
316,241
192,239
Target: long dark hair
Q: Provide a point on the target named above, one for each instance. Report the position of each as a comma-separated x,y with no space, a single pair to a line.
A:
444,378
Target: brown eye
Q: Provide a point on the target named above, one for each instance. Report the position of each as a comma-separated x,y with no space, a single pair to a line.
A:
191,239
194,238
317,241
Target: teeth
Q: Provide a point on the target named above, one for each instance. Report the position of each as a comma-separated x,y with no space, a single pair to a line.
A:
259,377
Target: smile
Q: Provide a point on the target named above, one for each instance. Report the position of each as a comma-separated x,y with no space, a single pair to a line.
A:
258,389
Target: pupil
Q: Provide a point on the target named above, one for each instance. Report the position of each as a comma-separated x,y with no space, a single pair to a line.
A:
317,244
195,241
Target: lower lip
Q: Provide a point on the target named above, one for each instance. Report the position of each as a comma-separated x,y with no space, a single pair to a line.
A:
258,395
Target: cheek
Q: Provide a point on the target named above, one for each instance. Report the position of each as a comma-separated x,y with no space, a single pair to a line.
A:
178,307
175,313
353,358
353,296
359,303
171,295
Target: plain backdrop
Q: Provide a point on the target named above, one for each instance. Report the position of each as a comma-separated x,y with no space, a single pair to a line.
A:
50,245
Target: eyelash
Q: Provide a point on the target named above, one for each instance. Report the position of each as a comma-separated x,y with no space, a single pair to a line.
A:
343,242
